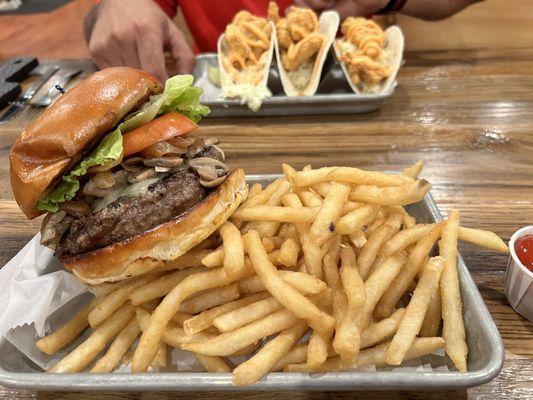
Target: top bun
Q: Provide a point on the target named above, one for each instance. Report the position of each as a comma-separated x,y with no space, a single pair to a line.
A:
69,129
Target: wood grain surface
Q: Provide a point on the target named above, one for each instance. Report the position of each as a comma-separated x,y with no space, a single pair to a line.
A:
468,113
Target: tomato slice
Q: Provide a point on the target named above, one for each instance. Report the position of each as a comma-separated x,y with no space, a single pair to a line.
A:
162,128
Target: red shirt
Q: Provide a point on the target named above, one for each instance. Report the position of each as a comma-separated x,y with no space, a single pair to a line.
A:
207,19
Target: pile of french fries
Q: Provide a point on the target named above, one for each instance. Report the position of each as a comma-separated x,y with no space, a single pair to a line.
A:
321,270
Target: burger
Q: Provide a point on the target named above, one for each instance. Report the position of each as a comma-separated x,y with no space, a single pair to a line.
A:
124,187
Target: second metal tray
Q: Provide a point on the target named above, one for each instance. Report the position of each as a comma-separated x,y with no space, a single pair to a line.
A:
334,95
485,358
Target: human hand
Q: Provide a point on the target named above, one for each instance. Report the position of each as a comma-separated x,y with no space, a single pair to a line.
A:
136,33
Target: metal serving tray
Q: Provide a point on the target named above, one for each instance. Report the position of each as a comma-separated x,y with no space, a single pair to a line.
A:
334,95
485,358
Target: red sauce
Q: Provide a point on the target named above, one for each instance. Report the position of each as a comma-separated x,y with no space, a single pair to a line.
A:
523,248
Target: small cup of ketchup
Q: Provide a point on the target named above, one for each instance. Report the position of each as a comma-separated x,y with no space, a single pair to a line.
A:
519,278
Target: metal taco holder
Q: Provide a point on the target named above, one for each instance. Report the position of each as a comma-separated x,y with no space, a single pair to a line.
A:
334,95
485,358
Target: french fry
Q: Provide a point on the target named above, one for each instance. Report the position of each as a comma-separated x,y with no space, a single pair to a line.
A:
263,196
368,253
405,238
375,355
332,276
205,319
269,228
148,345
215,258
370,229
82,355
311,250
260,363
272,243
347,339
483,238
358,238
378,283
55,341
277,214
160,360
160,286
348,175
378,331
212,363
413,265
312,255
283,292
245,351
407,220
193,258
103,289
251,284
453,330
173,335
118,348
287,171
414,170
356,219
112,302
126,359
288,252
321,188
179,318
409,193
320,341
303,282
297,355
229,342
244,315
233,249
255,189
349,206
310,199
210,299
430,326
415,311
326,219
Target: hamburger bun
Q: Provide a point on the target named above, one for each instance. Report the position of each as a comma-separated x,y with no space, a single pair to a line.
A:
166,242
70,128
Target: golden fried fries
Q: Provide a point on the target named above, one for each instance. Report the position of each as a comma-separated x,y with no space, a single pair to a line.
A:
322,270
453,330
416,310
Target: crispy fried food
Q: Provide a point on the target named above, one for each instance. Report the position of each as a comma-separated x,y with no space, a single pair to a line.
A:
364,69
365,34
302,52
298,37
247,37
364,61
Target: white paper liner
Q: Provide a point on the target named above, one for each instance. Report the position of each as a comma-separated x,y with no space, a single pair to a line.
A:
38,296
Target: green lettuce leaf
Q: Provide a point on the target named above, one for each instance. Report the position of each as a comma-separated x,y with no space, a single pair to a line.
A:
179,95
109,149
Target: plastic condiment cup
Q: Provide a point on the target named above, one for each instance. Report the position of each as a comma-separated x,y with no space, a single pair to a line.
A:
519,280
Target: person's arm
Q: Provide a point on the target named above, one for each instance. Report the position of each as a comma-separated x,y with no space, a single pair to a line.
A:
135,33
433,10
423,9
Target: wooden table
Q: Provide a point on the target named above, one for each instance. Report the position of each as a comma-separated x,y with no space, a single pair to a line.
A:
468,114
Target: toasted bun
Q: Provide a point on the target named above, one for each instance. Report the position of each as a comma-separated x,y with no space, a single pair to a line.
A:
71,127
166,242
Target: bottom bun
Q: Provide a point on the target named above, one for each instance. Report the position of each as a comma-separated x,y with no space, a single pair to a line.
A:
166,242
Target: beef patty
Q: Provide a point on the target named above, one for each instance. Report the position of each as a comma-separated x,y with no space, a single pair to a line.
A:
130,216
